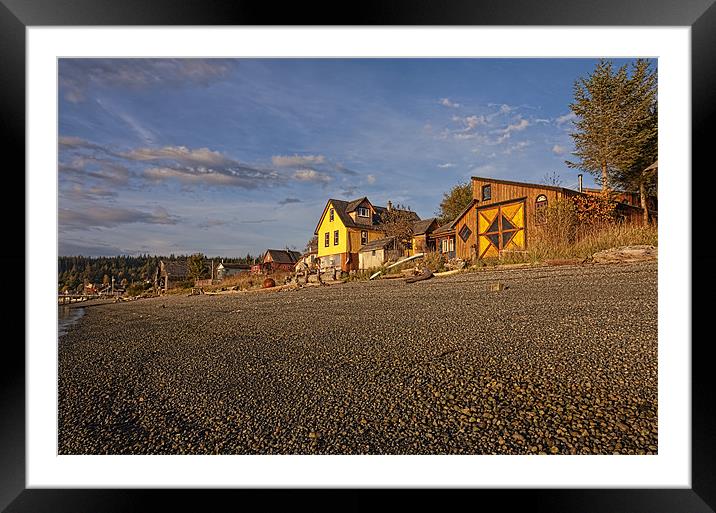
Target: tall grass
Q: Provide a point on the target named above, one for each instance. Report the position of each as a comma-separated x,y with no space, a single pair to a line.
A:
566,235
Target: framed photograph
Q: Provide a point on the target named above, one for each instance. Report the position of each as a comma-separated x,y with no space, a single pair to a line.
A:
334,256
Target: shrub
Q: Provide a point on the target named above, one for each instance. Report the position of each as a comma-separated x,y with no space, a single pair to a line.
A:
434,260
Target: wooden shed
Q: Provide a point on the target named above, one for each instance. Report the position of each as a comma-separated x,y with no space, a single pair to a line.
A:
224,270
377,252
421,240
443,239
503,214
279,260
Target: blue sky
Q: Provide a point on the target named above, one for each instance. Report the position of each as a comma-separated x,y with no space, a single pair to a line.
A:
229,157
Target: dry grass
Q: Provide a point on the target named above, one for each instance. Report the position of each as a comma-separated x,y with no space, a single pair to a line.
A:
580,242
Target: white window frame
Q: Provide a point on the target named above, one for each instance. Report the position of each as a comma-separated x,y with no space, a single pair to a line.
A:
363,212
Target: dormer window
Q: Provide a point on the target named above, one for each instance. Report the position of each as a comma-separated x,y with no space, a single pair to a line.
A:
363,212
486,192
332,213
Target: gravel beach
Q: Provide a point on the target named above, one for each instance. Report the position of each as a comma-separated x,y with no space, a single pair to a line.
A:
562,361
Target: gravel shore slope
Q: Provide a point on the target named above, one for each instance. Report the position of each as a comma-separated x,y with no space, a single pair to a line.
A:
563,361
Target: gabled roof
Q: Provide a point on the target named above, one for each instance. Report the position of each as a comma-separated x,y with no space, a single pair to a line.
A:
377,244
352,205
444,229
424,226
282,256
525,184
343,208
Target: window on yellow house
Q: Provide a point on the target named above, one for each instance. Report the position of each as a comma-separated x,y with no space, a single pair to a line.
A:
327,239
363,237
332,213
335,238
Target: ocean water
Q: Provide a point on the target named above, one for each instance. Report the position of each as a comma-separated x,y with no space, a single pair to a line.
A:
66,317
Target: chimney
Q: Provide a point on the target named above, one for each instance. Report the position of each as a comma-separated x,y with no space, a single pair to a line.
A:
390,206
579,177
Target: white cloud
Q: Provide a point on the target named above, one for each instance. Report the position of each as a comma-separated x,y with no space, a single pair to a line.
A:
570,116
559,150
446,165
370,179
182,154
311,175
448,103
517,147
297,160
517,127
474,121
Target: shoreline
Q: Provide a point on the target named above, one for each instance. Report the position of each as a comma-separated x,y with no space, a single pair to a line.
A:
562,360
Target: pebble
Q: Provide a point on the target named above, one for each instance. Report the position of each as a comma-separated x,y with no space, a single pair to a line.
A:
564,360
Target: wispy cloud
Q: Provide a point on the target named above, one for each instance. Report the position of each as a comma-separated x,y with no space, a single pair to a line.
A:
449,103
288,201
559,150
81,168
79,193
446,165
210,223
239,176
517,147
140,130
506,133
258,221
370,179
78,76
311,175
297,160
561,120
107,217
181,155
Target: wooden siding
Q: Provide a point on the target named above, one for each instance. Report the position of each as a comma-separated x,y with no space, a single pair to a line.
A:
507,192
354,235
466,250
363,220
502,192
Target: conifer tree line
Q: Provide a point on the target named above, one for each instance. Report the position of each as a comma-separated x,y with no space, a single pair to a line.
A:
616,126
76,271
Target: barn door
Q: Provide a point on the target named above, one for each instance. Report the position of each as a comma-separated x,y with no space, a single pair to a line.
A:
500,227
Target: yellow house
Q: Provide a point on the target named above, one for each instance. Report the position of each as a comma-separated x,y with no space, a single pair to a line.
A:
343,228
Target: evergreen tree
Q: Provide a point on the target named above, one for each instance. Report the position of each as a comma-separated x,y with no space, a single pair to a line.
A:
633,174
197,267
611,120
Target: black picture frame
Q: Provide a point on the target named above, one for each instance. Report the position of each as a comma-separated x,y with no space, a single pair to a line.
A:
700,15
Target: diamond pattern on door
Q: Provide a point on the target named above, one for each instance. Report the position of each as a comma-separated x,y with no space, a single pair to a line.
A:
499,228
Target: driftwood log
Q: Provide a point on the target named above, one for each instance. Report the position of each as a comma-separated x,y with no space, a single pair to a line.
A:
425,275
